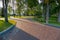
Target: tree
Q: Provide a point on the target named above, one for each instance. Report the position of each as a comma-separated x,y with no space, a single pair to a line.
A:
5,4
19,6
2,14
32,3
46,4
57,9
46,9
58,1
9,9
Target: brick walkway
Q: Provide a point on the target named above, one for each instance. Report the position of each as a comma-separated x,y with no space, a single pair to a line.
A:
28,30
40,31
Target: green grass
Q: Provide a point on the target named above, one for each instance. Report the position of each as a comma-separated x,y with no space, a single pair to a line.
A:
40,20
4,25
52,20
23,16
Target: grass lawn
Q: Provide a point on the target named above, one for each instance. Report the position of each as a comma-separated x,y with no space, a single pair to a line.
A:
23,16
4,25
52,21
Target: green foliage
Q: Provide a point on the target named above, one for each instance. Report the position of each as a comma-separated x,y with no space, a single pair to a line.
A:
53,8
4,25
2,14
20,6
9,9
32,3
58,1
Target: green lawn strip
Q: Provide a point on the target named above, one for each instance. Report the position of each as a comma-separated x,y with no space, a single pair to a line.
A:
52,21
23,16
39,20
4,25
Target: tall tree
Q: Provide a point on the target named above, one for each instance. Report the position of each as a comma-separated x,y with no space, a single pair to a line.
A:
58,1
5,3
32,3
9,9
19,6
46,4
57,9
46,9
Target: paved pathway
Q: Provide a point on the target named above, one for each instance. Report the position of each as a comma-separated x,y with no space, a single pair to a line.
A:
18,34
27,30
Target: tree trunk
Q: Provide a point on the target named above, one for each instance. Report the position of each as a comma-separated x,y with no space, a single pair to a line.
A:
43,8
5,9
13,13
47,14
13,8
44,12
59,16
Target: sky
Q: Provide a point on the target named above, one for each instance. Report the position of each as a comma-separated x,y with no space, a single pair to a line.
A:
39,1
1,4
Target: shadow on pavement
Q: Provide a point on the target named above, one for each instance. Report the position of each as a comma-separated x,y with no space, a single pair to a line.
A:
22,35
0,38
18,34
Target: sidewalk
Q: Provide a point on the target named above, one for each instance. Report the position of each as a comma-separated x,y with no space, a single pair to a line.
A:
40,31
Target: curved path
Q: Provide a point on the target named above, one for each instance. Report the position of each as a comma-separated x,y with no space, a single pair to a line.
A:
18,34
28,30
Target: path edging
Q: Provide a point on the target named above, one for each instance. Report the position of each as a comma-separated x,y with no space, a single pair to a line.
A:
53,25
8,29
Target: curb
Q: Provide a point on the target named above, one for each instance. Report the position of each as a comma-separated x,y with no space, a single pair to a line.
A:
7,30
53,25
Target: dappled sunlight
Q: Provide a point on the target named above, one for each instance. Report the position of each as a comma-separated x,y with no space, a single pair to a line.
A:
12,22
